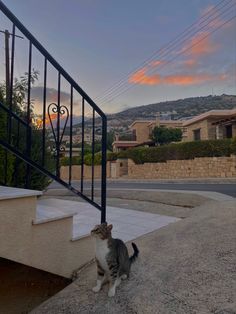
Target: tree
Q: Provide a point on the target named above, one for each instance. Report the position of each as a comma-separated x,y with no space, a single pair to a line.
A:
15,167
162,135
110,139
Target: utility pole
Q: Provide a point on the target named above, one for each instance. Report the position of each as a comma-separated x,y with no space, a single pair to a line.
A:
7,60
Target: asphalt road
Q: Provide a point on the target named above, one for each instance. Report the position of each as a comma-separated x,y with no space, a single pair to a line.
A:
225,188
229,189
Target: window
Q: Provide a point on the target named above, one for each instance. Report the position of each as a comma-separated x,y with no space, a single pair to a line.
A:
197,135
228,131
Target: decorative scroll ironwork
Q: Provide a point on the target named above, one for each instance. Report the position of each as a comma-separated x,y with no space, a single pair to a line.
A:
62,112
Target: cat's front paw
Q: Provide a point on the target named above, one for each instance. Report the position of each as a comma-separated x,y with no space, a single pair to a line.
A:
96,289
111,293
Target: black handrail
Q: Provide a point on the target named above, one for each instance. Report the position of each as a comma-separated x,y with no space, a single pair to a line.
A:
58,131
44,52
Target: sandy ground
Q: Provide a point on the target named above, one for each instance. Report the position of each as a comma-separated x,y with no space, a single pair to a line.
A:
186,267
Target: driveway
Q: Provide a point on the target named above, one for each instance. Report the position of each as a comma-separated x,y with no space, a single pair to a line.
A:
186,267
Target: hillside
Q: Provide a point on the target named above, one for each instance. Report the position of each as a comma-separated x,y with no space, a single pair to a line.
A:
178,109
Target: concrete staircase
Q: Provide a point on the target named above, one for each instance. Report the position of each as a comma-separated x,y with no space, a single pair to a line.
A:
39,233
54,235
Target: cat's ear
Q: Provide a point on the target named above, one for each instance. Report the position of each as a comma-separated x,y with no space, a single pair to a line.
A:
109,227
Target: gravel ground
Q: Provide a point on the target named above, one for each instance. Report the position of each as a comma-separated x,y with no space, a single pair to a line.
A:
185,267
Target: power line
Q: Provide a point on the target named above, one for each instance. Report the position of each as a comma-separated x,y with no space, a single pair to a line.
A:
172,43
165,54
112,97
165,47
187,30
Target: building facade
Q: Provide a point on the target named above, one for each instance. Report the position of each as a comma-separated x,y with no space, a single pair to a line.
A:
211,125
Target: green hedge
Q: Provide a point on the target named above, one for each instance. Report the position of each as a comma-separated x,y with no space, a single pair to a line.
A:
188,150
76,160
65,161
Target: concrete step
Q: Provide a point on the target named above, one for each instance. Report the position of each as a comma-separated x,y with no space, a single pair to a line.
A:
13,193
48,210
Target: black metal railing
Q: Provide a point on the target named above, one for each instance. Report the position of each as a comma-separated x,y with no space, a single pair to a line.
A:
57,117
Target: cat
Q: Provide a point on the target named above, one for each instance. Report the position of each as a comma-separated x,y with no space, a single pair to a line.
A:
112,258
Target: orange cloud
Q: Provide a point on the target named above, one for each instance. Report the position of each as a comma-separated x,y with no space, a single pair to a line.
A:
200,45
212,13
194,50
190,63
185,80
156,63
140,77
38,121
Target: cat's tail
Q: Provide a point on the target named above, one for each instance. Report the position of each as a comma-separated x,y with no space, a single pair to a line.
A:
136,253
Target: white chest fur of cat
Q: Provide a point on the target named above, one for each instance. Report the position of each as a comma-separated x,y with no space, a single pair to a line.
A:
101,252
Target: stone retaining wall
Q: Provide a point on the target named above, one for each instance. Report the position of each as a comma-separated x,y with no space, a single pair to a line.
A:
76,172
207,167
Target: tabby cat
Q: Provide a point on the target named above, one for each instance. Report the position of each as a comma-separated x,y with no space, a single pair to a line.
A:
112,258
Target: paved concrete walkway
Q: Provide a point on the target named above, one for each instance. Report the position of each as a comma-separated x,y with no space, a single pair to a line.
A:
128,224
185,267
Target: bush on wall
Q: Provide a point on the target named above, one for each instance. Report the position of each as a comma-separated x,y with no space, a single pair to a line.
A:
184,151
181,151
76,160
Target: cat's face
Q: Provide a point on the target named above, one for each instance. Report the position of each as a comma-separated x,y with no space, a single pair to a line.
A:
102,231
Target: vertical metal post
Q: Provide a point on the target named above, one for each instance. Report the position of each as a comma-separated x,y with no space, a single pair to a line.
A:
28,149
104,168
12,67
82,152
71,128
17,159
44,110
7,65
93,138
58,125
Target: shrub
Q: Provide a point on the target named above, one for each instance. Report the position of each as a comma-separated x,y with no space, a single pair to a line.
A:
97,159
75,160
188,150
111,156
233,146
162,135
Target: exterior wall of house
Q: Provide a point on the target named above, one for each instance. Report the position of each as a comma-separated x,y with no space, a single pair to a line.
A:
202,125
144,129
141,131
208,130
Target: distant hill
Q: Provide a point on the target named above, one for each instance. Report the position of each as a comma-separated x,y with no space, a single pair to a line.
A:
178,109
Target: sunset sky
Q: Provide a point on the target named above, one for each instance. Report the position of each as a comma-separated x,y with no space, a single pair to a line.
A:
104,42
